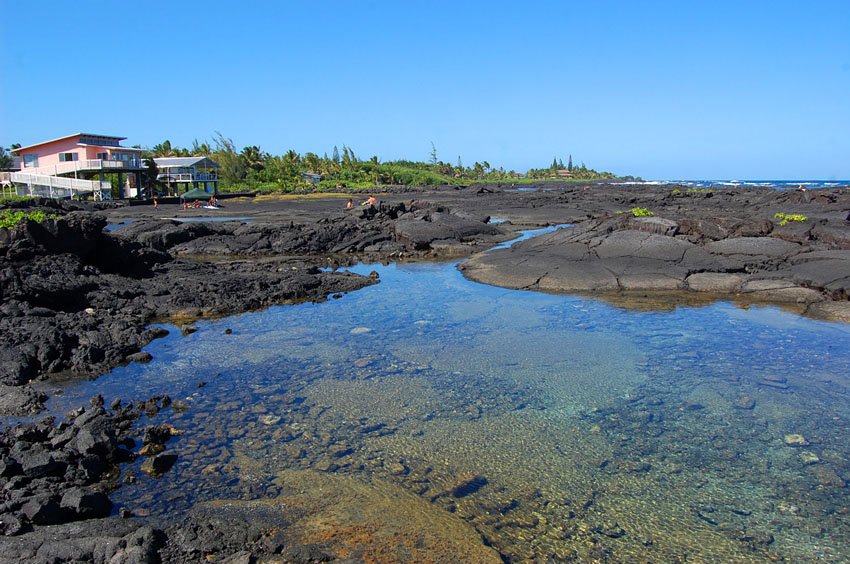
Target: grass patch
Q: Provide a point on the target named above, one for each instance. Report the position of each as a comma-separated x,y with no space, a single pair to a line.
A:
641,212
10,218
788,217
14,199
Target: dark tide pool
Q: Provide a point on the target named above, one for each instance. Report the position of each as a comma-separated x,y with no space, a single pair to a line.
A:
558,427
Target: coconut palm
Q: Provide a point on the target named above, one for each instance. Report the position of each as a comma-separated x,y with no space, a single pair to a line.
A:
253,157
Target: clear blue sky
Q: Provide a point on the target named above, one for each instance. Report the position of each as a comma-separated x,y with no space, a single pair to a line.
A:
753,89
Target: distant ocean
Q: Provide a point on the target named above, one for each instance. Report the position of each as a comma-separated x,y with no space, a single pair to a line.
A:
775,184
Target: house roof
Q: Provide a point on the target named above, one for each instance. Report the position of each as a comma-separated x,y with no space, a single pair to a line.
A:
168,162
111,137
111,148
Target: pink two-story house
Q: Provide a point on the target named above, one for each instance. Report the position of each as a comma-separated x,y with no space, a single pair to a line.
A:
83,156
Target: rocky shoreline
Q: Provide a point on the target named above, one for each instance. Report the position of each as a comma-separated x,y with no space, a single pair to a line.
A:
78,300
722,244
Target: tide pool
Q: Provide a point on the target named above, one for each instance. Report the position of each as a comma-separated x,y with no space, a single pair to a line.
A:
559,427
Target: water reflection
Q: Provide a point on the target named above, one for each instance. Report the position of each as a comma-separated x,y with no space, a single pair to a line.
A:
528,234
558,427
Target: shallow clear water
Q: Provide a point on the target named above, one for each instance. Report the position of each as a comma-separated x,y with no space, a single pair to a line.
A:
117,224
570,428
528,234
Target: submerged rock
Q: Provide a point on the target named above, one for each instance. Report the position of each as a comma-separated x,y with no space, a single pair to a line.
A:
159,464
827,476
744,402
808,457
270,419
795,440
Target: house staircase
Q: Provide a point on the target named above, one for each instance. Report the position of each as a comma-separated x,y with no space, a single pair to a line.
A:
48,186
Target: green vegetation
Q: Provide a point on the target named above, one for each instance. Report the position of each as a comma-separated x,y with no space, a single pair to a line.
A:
641,212
5,159
255,170
13,199
570,172
10,218
786,217
700,190
675,191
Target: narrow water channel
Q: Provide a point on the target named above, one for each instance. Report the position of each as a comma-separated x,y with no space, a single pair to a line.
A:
557,426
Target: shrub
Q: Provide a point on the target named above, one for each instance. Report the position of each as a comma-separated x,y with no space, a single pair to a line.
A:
641,212
786,217
13,199
10,218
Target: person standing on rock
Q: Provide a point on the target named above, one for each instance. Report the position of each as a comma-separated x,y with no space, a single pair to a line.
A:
155,203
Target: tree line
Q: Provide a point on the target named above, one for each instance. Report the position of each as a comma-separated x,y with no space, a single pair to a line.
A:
254,169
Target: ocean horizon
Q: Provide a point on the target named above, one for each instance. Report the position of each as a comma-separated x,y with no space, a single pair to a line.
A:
783,184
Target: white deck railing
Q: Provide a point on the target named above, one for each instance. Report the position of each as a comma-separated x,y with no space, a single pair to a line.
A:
84,165
49,186
186,177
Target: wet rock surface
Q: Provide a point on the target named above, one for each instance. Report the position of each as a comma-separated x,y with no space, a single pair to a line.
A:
77,299
728,244
391,230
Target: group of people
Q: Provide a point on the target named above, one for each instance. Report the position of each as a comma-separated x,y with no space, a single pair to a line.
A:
370,201
213,202
192,205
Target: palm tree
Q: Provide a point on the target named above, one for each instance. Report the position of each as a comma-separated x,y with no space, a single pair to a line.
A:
164,149
312,161
200,149
292,157
149,174
253,157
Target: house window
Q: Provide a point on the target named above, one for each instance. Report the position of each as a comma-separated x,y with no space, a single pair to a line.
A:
30,161
102,142
103,156
68,157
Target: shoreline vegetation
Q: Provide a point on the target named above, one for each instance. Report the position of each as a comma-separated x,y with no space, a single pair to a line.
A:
255,170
